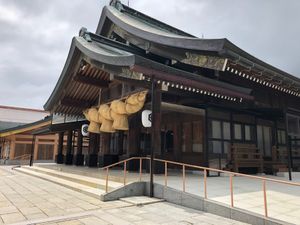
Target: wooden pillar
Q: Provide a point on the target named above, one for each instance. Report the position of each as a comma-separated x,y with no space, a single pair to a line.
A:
12,147
255,133
60,156
32,150
55,146
288,146
105,139
205,139
120,143
93,150
276,133
177,141
156,120
133,137
155,129
69,155
35,148
79,159
79,142
69,142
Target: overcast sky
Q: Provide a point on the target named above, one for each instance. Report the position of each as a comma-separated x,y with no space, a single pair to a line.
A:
35,35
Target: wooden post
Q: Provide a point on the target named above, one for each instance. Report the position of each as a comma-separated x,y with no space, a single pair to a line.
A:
288,145
32,150
60,143
177,141
60,156
93,149
69,155
79,158
205,139
79,142
55,146
12,147
69,142
156,128
36,148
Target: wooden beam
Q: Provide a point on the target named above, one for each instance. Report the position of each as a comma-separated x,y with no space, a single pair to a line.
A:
166,106
68,101
66,126
91,81
137,83
182,109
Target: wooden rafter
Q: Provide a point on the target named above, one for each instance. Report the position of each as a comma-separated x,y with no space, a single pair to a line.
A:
68,101
91,81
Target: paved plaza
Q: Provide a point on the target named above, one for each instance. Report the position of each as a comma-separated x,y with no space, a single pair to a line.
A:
283,200
29,200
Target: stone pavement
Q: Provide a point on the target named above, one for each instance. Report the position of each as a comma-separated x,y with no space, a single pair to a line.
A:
283,200
157,213
29,200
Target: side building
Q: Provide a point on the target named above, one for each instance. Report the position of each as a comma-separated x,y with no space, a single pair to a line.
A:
17,138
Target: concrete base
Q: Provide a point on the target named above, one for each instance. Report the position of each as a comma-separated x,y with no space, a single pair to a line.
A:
190,201
69,159
92,160
132,189
79,160
59,158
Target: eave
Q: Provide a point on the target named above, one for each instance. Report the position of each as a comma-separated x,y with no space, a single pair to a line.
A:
161,39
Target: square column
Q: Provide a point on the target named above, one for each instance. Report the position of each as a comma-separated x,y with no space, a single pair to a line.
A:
60,156
92,159
69,155
79,157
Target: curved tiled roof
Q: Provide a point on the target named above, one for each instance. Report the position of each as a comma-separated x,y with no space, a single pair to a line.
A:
146,31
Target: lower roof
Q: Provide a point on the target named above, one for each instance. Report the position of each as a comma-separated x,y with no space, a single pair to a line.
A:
29,127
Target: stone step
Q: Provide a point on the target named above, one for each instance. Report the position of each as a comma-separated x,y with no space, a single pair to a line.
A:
79,183
85,180
85,171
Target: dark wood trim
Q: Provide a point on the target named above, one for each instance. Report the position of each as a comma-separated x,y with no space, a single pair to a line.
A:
79,142
69,142
91,81
71,102
60,143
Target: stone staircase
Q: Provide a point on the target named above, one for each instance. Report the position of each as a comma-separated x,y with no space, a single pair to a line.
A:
91,186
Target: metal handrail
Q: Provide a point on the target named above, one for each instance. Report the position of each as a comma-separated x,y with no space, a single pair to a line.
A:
205,170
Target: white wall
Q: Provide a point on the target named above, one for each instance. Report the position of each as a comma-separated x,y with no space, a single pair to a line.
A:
21,115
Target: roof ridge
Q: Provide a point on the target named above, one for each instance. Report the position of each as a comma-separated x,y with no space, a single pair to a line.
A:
133,12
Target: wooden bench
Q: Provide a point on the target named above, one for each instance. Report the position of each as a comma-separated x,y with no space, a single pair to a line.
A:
279,161
245,156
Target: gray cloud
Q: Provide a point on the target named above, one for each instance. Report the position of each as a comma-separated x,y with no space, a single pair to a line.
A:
35,35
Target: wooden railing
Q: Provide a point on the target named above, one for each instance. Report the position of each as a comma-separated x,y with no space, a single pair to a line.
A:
205,171
23,159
